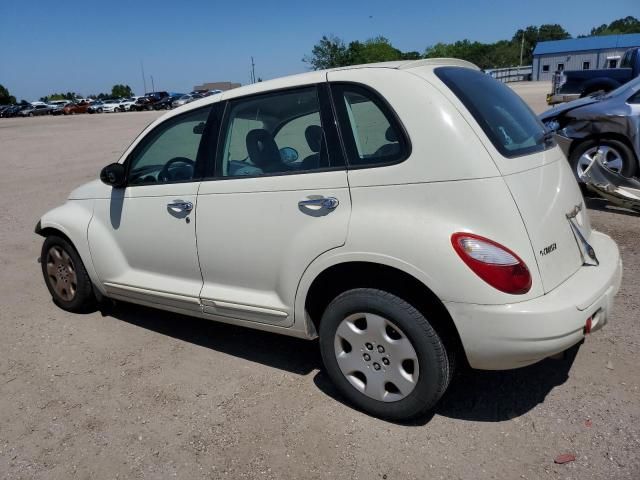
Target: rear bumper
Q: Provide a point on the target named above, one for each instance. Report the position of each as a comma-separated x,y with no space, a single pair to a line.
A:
501,337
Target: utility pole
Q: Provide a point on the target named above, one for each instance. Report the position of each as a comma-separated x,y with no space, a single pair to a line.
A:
253,71
144,79
153,87
521,47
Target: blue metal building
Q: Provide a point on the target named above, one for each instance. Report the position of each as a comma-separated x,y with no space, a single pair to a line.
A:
589,53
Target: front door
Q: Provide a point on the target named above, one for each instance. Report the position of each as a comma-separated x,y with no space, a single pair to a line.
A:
142,238
279,199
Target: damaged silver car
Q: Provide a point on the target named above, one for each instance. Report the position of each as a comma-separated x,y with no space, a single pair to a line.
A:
617,189
604,124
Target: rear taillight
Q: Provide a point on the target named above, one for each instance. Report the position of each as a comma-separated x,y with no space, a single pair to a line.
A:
493,263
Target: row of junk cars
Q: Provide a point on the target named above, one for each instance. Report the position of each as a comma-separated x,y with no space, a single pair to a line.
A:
150,101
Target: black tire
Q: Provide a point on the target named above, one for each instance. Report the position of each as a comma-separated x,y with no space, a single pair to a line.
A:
83,299
630,164
435,365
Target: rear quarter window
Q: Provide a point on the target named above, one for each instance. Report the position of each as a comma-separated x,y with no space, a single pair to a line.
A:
508,122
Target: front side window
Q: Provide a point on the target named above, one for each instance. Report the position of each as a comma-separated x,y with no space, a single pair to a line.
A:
169,152
504,117
278,133
371,133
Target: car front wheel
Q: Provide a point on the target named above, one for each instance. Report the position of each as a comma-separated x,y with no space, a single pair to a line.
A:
616,156
383,355
65,275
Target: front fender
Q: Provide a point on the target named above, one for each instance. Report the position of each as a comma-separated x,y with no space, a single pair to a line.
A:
72,219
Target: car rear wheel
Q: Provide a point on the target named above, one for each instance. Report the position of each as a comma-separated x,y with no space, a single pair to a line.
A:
615,154
383,355
65,275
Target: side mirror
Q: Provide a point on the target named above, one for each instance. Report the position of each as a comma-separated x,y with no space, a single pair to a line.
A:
113,175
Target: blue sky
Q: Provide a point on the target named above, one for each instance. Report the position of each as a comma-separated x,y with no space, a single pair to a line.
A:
87,46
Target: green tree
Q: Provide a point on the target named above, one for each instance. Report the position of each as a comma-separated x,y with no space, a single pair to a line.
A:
621,26
533,35
377,49
474,52
329,52
5,97
118,91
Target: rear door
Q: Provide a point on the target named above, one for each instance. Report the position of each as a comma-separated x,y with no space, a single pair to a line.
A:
534,169
277,198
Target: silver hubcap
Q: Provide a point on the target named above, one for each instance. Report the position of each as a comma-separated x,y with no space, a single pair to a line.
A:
376,357
61,273
611,159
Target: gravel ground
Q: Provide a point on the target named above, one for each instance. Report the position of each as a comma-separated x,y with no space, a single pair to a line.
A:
138,393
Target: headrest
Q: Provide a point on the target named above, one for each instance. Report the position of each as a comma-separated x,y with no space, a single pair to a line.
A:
390,135
313,134
262,148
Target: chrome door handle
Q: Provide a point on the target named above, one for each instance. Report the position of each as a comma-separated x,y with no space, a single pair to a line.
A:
328,203
179,206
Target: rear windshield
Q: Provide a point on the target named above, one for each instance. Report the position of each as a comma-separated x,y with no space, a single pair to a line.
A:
509,123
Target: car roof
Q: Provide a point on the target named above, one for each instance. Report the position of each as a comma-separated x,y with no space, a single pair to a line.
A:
318,76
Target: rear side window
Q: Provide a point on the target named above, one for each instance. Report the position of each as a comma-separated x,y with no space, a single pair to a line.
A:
371,133
508,122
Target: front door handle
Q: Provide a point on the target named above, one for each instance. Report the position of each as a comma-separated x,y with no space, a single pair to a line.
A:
180,206
328,203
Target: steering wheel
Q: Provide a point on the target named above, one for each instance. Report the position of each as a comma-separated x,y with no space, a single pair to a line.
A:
164,175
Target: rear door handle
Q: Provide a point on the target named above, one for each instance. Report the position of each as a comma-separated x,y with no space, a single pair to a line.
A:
180,206
328,203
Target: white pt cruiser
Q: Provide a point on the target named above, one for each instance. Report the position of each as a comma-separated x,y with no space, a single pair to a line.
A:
405,213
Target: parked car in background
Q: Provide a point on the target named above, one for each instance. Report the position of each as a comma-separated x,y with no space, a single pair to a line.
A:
607,123
13,110
166,102
35,110
182,100
410,213
96,106
74,108
212,92
111,106
153,98
142,103
127,104
58,108
572,84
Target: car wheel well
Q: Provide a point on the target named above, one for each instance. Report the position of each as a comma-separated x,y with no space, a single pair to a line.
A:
603,137
346,276
48,231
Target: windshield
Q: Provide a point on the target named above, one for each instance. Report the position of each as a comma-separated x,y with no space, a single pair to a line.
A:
503,116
